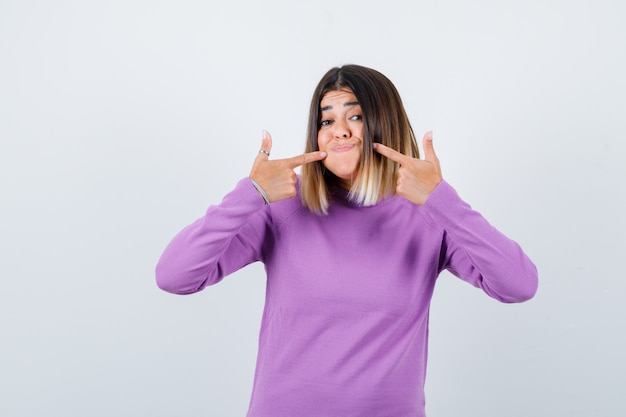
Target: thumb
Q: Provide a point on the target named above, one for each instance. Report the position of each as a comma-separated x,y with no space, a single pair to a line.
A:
429,150
266,144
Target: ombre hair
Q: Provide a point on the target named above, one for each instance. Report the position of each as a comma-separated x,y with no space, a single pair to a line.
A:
384,121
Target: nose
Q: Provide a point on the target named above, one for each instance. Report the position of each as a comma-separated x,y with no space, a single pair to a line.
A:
342,130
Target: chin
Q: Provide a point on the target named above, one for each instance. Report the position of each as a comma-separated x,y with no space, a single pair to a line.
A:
343,174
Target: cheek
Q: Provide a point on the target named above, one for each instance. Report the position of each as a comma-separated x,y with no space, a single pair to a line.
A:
361,132
321,141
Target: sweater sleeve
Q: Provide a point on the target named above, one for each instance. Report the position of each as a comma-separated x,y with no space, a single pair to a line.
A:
477,252
228,237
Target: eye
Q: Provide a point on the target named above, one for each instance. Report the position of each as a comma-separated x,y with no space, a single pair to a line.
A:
325,123
356,117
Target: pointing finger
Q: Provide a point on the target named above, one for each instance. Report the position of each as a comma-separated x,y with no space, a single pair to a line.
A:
390,153
306,158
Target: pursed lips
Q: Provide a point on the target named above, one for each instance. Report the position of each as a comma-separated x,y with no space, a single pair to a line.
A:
343,147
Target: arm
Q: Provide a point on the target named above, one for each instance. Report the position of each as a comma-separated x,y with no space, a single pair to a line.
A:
233,233
473,249
227,238
478,253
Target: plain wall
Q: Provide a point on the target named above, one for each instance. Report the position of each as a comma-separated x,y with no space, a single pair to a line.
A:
122,121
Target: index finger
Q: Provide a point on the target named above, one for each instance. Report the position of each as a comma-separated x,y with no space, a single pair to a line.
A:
305,158
390,153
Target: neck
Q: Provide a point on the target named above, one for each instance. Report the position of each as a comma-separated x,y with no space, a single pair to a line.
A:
346,185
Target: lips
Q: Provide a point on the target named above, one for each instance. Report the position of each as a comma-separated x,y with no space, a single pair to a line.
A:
343,148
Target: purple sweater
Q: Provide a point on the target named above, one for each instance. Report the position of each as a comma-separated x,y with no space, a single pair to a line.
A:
345,326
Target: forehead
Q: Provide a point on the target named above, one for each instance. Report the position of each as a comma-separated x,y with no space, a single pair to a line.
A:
336,97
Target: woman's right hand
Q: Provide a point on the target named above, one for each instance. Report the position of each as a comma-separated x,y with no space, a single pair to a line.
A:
277,177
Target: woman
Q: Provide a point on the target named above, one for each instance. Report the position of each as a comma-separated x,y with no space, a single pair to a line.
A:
352,250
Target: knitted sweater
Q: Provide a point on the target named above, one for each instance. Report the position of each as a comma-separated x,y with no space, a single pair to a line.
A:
345,326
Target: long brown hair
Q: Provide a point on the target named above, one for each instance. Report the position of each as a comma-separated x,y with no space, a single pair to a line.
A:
384,121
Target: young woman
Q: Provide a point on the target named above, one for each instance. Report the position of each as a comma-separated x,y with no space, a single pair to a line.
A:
352,250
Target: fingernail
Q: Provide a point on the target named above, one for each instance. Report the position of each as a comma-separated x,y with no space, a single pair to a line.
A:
263,134
322,153
429,134
375,145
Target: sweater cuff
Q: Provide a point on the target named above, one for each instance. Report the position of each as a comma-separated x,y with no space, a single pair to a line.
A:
244,196
444,207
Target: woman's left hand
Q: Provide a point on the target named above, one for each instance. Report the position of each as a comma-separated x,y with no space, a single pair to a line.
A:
417,178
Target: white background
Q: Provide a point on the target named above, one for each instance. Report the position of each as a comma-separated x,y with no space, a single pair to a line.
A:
121,121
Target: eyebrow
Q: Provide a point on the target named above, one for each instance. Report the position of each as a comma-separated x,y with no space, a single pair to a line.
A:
348,104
